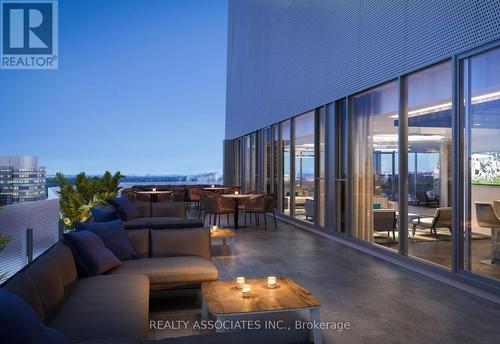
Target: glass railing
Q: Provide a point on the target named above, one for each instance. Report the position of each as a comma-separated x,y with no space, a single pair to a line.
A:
32,228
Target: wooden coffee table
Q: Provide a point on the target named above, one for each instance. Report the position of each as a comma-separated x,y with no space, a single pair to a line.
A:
223,299
224,234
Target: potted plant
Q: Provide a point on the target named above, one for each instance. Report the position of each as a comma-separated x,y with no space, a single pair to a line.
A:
77,200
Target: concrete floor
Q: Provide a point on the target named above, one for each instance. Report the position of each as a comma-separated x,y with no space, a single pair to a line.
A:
383,302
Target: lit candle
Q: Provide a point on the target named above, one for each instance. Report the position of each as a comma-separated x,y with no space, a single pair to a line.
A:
247,289
213,186
213,229
240,281
271,281
154,189
236,192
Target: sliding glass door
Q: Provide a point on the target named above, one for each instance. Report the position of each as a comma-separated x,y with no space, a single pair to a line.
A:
285,167
429,111
481,88
304,158
374,154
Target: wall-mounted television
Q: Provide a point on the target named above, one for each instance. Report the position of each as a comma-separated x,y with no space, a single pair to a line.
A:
485,168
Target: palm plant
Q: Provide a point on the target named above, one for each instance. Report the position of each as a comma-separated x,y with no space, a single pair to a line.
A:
77,200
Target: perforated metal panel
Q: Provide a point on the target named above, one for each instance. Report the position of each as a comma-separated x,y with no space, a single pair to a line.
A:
287,57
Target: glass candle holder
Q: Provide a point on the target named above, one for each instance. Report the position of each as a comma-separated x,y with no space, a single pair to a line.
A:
240,281
236,192
271,282
213,186
154,189
246,290
213,229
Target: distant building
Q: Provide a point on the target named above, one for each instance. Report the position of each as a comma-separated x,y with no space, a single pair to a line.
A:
21,180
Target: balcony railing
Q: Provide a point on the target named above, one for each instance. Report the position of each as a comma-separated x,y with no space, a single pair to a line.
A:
32,227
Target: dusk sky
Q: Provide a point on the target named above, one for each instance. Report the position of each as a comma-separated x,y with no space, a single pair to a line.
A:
140,88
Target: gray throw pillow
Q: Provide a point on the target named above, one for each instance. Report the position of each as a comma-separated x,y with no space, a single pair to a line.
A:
125,208
91,253
113,235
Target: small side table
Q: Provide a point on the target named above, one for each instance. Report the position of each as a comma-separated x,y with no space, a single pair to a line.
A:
225,234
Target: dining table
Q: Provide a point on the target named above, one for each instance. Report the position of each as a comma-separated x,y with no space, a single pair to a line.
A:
215,188
237,198
153,194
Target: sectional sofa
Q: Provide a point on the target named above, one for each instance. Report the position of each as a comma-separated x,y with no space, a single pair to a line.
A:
161,215
114,307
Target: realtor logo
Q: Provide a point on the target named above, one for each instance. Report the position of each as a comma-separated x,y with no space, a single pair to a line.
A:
29,35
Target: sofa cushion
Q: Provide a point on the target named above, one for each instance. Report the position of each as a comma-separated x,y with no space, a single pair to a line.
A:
162,223
137,223
168,209
139,239
91,253
172,270
125,208
24,287
181,242
102,215
144,209
105,307
173,222
44,274
66,267
113,235
20,323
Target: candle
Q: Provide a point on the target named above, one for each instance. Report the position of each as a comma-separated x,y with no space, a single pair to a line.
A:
154,189
247,289
236,192
271,281
213,229
213,186
240,281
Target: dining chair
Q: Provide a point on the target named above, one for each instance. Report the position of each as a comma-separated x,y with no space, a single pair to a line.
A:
487,217
261,204
215,205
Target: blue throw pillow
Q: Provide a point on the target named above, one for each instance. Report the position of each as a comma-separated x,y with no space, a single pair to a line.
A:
91,253
113,235
125,208
101,215
20,323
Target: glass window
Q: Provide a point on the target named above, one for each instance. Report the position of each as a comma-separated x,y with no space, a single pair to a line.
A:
304,166
374,179
246,163
341,171
285,166
482,208
267,160
429,164
321,167
237,162
275,166
254,175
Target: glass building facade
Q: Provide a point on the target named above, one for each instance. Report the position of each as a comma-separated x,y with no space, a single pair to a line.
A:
21,180
410,166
